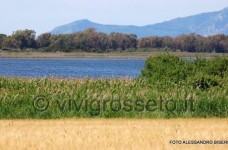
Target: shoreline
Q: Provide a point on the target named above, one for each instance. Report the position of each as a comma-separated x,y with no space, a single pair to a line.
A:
137,55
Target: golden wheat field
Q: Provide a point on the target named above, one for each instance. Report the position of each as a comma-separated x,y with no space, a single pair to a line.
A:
111,133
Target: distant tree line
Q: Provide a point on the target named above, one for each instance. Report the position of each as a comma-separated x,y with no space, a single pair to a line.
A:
188,43
90,40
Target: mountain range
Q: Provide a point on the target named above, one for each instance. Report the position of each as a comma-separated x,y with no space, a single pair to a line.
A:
204,24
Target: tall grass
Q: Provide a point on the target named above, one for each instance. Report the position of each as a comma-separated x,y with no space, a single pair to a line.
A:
165,78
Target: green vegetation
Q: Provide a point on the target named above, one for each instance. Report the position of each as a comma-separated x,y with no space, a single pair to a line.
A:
176,70
92,41
20,40
169,87
2,36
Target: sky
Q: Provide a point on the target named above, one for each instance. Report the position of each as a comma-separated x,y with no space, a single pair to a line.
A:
43,15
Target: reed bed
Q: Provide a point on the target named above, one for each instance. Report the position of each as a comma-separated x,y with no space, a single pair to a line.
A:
17,97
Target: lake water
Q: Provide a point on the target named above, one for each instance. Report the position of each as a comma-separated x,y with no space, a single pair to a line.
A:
75,68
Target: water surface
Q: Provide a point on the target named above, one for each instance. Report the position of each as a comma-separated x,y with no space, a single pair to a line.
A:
76,68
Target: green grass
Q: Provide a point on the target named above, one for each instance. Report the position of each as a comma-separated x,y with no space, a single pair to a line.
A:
160,94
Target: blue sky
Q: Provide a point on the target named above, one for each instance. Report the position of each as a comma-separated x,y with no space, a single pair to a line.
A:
44,15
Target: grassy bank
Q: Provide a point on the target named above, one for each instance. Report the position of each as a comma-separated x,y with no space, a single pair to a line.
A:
134,54
175,89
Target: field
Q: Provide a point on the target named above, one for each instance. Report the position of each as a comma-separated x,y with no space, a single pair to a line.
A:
111,133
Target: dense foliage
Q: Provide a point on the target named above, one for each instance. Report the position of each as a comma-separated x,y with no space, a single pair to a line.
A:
92,41
199,73
20,40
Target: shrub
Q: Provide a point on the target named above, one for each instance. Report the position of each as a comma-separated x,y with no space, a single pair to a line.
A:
202,73
218,67
166,67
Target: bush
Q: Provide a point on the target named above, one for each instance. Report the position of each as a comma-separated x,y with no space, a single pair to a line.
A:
202,73
218,67
167,67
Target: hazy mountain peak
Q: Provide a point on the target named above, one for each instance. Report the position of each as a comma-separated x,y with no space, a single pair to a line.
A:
204,24
226,8
82,21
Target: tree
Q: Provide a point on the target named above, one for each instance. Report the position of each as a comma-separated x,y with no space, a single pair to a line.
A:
167,42
20,39
2,37
151,42
10,42
224,44
43,40
26,38
122,41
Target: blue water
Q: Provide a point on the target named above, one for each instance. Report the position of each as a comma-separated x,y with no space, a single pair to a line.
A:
75,68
